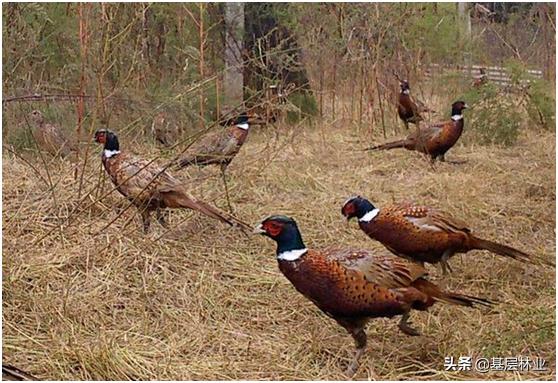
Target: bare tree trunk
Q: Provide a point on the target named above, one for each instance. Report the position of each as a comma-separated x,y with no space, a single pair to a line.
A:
465,16
465,29
202,62
234,37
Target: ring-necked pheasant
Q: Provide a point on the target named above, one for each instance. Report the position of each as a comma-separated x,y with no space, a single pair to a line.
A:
150,187
163,131
48,137
218,148
355,285
421,233
408,109
481,80
434,140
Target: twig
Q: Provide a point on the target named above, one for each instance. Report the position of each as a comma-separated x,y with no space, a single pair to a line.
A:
58,96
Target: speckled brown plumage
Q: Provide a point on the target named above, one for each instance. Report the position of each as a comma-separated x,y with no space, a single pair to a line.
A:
150,187
218,147
434,140
354,285
422,233
164,132
48,137
409,109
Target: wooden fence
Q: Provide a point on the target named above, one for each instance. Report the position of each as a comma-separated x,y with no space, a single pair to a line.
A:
494,74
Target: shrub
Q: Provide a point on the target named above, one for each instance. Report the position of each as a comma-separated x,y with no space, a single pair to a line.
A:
305,105
540,105
493,117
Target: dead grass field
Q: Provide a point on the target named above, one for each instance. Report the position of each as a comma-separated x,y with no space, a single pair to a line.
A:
206,302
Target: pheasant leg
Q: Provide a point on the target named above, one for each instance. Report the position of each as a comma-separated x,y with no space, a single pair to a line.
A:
146,218
360,341
446,269
161,218
224,175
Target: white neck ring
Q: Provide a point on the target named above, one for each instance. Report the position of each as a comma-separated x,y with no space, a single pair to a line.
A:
291,255
369,216
110,153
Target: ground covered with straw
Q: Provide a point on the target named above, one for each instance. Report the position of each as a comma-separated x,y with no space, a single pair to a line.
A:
86,295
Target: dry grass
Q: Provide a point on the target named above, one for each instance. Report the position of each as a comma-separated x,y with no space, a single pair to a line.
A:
205,302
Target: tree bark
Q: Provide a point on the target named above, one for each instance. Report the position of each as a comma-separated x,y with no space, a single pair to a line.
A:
234,69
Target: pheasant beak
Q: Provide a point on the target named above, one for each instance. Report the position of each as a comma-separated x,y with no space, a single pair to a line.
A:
465,106
259,229
350,217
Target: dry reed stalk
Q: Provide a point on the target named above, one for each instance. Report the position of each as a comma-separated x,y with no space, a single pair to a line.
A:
380,104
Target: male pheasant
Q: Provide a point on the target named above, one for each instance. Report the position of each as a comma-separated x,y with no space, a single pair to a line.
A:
433,140
150,187
219,148
355,285
408,109
421,233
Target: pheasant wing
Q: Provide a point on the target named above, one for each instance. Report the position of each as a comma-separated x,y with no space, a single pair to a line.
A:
432,219
137,176
427,133
229,145
384,270
211,143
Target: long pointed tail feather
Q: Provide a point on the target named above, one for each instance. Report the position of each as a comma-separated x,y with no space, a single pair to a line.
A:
434,292
388,145
199,160
186,201
184,162
464,300
506,251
